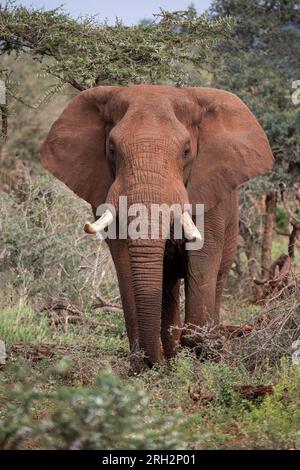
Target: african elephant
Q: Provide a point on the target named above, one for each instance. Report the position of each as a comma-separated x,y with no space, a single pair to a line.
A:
162,144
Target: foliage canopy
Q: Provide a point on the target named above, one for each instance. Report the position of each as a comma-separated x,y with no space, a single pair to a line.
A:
86,52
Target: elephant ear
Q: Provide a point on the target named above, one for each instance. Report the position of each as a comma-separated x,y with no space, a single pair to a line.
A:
74,150
232,147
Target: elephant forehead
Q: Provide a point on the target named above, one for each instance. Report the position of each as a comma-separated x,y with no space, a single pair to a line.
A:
142,131
134,92
161,101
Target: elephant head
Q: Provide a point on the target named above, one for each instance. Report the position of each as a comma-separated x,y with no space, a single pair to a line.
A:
155,144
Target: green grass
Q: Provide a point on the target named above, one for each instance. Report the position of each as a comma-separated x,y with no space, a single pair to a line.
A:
22,324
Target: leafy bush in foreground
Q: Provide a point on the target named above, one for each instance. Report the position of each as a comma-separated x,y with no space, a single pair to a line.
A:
109,415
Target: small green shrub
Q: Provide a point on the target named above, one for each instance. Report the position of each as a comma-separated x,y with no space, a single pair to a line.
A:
275,423
219,378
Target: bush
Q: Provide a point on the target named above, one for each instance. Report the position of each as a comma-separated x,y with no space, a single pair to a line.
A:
109,415
47,255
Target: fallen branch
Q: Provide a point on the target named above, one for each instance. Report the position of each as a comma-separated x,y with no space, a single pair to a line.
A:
58,320
73,315
63,305
247,392
250,392
106,306
236,330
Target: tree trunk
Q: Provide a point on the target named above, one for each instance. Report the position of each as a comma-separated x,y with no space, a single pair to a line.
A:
266,249
249,248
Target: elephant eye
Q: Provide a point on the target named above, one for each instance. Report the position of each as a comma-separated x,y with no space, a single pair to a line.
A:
111,150
186,152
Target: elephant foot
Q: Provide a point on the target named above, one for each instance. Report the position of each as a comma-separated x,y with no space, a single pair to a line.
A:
139,362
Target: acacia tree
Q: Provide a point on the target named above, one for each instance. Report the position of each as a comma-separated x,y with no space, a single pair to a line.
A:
86,52
259,62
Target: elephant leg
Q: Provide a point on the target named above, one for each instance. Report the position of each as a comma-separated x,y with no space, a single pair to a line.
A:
200,297
201,272
171,324
207,269
200,290
120,255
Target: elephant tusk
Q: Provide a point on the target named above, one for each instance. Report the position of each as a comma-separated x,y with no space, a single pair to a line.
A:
190,230
100,224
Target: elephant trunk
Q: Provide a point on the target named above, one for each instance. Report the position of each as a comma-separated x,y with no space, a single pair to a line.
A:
146,257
